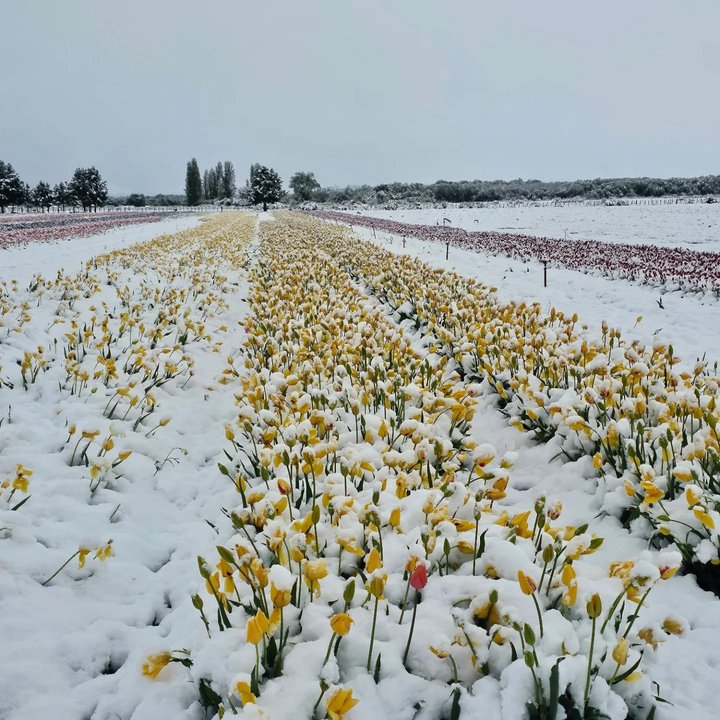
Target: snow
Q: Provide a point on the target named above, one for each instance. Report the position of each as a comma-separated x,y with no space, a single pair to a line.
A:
75,647
688,321
21,262
692,225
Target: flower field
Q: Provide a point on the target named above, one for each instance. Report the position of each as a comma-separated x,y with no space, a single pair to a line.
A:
19,229
660,266
270,470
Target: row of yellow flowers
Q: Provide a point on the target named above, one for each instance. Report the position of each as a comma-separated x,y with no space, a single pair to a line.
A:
372,532
650,427
107,357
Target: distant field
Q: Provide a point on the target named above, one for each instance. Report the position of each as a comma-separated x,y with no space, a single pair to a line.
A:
687,225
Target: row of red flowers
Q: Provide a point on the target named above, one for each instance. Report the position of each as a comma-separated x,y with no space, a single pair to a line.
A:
38,228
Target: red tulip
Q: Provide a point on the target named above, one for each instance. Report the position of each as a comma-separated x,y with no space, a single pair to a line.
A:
418,579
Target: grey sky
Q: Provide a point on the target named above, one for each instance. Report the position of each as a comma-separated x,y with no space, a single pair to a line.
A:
360,91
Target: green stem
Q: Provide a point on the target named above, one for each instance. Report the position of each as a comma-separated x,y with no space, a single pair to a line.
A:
589,668
412,627
539,614
57,572
372,634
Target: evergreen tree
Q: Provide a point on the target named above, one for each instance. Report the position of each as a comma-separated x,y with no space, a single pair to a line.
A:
265,186
228,180
42,196
206,189
219,195
193,183
304,185
62,195
88,188
11,187
212,189
26,195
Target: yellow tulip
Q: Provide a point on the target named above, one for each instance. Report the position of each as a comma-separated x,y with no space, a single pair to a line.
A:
340,623
340,703
373,561
527,584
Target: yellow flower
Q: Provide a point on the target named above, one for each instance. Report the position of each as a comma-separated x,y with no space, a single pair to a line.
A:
620,653
652,492
340,703
673,626
242,688
376,587
315,570
373,562
280,598
570,595
154,664
395,518
594,606
341,623
527,584
568,574
257,627
349,547
83,552
104,551
703,516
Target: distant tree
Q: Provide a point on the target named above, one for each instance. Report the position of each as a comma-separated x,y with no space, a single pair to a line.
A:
228,180
62,195
11,187
26,197
193,183
42,196
88,188
304,185
206,182
265,186
218,170
212,183
136,200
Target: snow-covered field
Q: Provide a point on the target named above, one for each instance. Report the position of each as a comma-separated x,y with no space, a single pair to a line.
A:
688,321
693,225
374,532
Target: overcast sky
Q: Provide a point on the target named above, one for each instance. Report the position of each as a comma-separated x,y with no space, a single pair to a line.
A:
360,91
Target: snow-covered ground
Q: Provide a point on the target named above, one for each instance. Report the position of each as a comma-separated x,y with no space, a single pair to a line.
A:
75,648
694,225
688,321
21,262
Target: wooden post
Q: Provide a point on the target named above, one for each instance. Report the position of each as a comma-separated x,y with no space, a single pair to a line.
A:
447,249
403,241
545,262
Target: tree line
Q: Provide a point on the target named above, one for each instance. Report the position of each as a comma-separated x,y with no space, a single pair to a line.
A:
216,184
491,190
264,186
85,189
